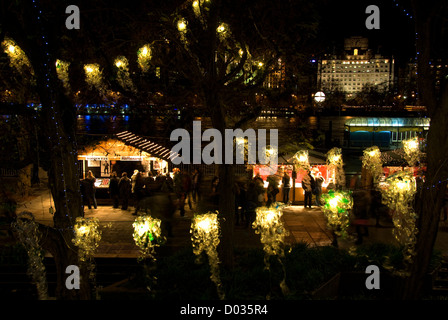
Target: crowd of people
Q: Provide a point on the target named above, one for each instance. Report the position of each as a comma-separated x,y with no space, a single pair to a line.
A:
187,188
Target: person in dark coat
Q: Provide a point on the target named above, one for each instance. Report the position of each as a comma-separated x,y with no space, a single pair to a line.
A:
139,191
308,186
196,183
90,190
286,187
124,187
114,191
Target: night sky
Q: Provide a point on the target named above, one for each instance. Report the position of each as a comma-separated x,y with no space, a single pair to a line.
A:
341,19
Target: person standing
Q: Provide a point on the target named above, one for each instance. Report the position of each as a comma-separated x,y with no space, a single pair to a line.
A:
90,190
308,186
124,187
286,187
196,180
114,191
318,189
139,191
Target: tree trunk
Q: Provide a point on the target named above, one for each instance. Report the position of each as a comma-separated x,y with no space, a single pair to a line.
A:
227,214
429,199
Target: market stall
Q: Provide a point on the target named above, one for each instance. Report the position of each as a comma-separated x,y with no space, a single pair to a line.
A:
317,163
126,153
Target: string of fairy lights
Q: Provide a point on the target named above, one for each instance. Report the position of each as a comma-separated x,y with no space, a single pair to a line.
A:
52,103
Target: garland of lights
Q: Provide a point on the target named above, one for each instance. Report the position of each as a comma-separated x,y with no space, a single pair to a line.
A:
336,165
398,194
47,71
29,237
269,225
205,238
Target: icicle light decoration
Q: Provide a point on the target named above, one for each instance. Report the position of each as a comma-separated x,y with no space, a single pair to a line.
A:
412,151
398,194
17,56
62,72
182,28
371,160
337,206
123,76
87,237
29,237
144,57
301,161
205,238
336,165
269,225
94,77
147,235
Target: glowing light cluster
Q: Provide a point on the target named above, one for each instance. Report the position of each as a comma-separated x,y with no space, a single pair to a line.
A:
269,225
337,206
205,238
336,165
123,76
301,161
144,57
87,237
63,74
29,236
371,160
17,56
147,235
94,77
398,194
411,151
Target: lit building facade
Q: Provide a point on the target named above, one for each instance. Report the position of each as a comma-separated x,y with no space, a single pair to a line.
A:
356,68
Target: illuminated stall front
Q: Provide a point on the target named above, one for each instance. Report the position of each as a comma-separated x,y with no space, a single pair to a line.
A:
125,153
317,163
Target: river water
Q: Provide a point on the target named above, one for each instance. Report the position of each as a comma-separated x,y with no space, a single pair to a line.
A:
160,129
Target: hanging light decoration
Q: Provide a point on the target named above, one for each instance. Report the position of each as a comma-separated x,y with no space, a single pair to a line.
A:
398,194
144,57
17,56
123,76
62,72
29,236
94,77
336,165
336,208
412,151
371,160
147,235
87,237
301,161
269,225
205,238
182,28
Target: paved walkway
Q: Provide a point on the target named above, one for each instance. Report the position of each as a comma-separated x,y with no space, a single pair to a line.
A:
303,225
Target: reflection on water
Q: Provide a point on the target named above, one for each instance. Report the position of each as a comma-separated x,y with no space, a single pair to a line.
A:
157,127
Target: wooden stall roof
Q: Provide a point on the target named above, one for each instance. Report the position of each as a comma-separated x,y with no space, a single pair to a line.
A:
146,145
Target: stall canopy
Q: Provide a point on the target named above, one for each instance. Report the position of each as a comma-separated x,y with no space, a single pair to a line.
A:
146,145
